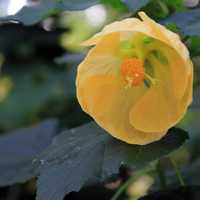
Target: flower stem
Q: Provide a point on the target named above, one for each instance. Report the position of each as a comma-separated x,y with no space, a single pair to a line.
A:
177,171
128,182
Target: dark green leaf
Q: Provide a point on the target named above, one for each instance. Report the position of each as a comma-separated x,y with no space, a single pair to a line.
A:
138,156
188,21
194,46
29,15
156,9
74,158
88,153
116,4
175,4
19,148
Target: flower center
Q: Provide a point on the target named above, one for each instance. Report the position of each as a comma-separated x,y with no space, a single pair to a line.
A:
132,70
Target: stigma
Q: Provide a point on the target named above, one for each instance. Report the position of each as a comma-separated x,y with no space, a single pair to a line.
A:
132,71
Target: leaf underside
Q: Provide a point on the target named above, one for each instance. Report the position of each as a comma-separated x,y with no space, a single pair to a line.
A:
187,21
87,154
67,161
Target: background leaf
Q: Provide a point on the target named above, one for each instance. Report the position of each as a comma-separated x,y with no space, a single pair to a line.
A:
20,147
29,15
32,90
88,154
187,21
135,5
116,4
138,156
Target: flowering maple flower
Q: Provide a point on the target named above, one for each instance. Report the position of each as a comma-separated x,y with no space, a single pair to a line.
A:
136,82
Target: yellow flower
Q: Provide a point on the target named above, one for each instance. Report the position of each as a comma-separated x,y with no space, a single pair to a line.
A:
136,82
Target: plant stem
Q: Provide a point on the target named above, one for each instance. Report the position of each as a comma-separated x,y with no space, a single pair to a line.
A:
128,182
122,188
177,170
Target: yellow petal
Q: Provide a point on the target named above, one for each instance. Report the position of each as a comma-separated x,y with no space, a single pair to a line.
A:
179,70
106,100
161,33
101,59
102,94
157,31
148,27
187,98
159,108
155,111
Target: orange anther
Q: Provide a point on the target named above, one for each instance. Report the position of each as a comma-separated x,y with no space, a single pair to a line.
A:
132,70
